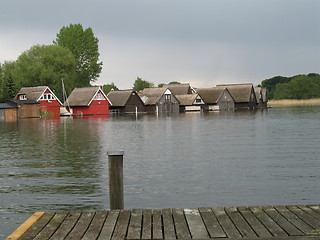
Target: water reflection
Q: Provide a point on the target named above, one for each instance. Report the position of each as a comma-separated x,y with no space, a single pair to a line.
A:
186,160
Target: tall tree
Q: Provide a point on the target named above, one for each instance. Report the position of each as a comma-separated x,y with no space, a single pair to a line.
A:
108,87
7,83
141,84
43,65
84,46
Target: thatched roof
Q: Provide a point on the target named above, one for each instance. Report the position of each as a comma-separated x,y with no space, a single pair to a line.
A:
239,92
258,92
151,96
210,95
264,94
179,89
82,96
120,98
33,93
186,99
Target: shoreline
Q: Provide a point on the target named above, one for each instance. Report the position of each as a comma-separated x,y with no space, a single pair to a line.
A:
294,102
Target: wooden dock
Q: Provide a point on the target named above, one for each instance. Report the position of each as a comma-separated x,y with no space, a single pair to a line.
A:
278,222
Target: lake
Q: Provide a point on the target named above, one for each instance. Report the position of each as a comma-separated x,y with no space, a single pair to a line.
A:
241,158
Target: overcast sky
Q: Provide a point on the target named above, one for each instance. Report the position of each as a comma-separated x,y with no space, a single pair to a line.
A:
201,42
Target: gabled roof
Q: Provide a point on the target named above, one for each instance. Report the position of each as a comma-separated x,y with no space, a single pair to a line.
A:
121,97
239,92
187,99
150,96
211,95
258,92
34,93
83,96
179,89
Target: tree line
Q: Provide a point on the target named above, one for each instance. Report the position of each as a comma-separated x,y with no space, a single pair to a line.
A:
296,87
72,57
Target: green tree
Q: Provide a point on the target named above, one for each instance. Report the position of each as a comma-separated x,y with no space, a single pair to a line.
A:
174,82
300,87
141,84
271,84
43,65
108,87
8,87
84,46
10,90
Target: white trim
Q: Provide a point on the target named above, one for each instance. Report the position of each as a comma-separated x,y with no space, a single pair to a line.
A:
47,88
168,92
198,97
106,98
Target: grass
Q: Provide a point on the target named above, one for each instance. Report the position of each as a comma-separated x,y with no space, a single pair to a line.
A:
294,102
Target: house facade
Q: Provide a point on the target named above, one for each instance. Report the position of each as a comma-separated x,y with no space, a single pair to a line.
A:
49,103
243,95
125,101
261,96
216,98
190,102
88,101
159,100
17,109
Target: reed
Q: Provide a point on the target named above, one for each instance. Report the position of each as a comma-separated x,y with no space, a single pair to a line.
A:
294,102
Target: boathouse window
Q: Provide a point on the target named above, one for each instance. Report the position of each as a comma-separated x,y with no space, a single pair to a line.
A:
23,97
167,97
47,96
99,96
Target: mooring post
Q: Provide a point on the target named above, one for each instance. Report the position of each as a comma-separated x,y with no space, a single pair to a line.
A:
115,162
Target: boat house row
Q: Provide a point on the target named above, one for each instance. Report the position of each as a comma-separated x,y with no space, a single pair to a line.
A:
35,102
182,98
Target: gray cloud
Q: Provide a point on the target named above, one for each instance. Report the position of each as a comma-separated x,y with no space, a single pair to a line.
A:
204,42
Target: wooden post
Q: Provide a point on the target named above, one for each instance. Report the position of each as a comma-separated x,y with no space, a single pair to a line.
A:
115,162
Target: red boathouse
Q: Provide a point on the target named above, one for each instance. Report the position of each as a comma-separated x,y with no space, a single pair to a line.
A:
88,101
49,103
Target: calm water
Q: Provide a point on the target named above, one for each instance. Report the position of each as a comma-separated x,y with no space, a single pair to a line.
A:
188,160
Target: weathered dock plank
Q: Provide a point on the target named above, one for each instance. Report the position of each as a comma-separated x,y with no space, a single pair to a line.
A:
295,220
157,225
122,225
211,223
168,225
255,224
218,223
181,225
146,224
305,217
52,226
81,226
240,223
290,229
135,225
195,223
268,222
109,225
66,227
95,226
38,226
226,223
21,230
